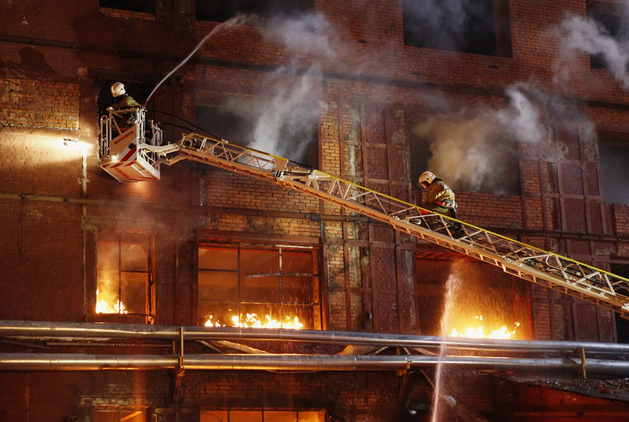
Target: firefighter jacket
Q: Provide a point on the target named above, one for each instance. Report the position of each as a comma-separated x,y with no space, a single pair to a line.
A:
440,194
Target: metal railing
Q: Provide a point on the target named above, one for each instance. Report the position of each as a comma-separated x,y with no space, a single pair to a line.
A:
516,258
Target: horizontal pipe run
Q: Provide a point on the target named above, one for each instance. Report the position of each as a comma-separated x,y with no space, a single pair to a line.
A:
83,331
90,362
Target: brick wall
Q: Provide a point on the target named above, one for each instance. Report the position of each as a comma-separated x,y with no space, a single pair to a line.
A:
39,104
369,88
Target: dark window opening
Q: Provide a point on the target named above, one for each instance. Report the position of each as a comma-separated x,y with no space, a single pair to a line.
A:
222,10
477,27
143,6
257,286
267,126
123,283
612,17
138,90
614,159
468,155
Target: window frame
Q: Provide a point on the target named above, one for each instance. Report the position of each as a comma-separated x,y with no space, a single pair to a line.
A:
121,237
262,8
607,10
148,412
323,413
501,28
129,6
315,307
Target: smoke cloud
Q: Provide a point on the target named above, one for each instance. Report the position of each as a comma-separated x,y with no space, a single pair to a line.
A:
477,151
579,35
285,123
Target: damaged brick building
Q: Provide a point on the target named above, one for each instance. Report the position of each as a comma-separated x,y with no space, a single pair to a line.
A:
209,295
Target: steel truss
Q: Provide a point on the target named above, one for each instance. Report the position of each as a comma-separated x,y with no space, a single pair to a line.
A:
516,258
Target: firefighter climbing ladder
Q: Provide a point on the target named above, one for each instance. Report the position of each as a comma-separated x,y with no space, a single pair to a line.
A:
527,262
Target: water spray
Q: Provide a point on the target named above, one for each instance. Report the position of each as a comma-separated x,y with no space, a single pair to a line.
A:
236,20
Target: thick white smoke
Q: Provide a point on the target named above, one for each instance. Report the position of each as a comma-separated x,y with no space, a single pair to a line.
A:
477,151
285,122
580,35
288,120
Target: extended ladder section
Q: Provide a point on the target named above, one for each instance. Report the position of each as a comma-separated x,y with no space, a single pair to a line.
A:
516,258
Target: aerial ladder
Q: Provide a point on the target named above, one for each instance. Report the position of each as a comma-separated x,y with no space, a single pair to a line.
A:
136,154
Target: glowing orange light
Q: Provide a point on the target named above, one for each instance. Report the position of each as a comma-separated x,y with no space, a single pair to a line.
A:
478,331
253,321
109,305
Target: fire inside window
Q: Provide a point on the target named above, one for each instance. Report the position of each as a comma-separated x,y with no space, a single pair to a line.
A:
222,10
253,286
120,415
477,27
123,274
261,416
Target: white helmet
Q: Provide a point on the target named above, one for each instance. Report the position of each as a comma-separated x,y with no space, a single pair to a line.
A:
117,89
426,178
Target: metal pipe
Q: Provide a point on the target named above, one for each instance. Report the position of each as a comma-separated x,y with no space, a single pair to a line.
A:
44,330
89,362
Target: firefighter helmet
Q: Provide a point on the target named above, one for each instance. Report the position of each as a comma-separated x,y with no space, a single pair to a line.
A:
117,89
426,178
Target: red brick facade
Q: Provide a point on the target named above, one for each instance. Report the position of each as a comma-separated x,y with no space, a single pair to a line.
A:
57,61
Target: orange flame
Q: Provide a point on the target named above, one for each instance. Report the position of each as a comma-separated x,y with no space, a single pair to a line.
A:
253,321
478,331
109,305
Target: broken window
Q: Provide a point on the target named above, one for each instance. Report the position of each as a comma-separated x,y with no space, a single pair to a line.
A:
257,286
612,17
120,415
144,6
477,27
222,10
262,416
614,158
285,125
124,284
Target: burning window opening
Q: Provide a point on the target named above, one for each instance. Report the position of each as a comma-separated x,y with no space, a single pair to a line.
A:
119,415
476,299
477,330
262,416
258,287
123,275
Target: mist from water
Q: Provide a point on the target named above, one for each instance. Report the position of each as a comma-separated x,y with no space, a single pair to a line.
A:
452,288
235,21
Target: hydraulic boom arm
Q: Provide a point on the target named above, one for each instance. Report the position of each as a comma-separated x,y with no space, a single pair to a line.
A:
527,262
135,153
